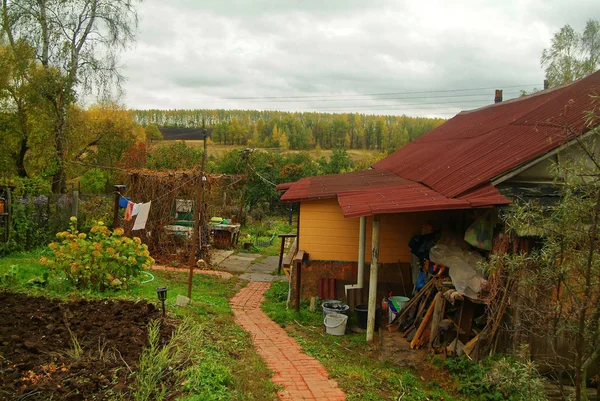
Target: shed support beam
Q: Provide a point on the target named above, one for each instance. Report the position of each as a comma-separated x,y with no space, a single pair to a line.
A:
373,280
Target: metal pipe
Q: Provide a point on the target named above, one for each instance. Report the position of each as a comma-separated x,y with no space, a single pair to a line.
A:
361,257
373,280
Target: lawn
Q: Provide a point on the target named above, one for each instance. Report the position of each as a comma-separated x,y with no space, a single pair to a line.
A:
218,150
195,353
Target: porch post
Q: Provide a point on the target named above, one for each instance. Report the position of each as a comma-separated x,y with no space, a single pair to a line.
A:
373,280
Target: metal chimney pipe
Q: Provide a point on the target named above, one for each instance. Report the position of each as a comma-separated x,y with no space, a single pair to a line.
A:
498,96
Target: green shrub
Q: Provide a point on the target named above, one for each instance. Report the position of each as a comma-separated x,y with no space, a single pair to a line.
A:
98,261
497,379
93,181
174,156
95,208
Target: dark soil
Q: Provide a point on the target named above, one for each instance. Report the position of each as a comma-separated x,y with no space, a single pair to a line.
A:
37,361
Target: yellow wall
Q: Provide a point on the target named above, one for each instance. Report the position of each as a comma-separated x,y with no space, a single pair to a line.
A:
326,235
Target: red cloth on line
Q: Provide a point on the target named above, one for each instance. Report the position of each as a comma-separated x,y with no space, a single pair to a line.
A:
128,211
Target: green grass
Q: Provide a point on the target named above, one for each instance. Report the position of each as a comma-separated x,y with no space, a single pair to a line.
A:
221,362
261,231
218,150
348,359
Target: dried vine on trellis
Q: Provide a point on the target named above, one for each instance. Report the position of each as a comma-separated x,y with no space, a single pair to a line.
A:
169,234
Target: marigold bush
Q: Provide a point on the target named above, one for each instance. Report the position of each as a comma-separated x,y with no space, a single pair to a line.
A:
99,260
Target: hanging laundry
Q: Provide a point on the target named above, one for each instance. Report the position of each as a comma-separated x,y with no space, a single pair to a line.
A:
136,209
123,202
140,220
128,211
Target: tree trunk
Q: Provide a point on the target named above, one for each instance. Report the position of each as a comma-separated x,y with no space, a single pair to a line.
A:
580,366
20,158
59,184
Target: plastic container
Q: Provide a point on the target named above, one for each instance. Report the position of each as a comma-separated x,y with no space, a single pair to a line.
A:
333,306
335,324
362,314
396,304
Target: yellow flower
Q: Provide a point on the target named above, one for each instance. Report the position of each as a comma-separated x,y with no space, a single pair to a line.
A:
137,240
110,250
118,231
97,246
53,245
95,229
82,235
96,253
73,218
44,260
100,223
74,246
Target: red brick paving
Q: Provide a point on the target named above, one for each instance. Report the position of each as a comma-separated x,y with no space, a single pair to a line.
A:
302,376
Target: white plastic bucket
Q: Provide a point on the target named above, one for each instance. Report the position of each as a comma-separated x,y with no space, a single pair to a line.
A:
335,324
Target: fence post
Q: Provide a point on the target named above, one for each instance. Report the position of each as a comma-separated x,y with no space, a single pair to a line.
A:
119,190
75,203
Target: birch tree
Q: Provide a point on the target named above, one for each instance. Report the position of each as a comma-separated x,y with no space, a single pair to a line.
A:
77,43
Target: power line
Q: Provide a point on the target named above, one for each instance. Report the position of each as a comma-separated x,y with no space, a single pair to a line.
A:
426,104
481,95
378,94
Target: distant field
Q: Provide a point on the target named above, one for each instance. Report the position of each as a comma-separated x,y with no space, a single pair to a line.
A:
218,150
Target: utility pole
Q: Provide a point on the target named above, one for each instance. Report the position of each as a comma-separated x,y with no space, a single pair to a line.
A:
246,155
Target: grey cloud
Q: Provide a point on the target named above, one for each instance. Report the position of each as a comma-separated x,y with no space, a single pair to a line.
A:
194,54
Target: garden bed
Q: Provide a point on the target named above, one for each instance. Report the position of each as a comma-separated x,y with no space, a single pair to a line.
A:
79,350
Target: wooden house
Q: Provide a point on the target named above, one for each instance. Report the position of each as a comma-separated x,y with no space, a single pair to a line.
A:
476,163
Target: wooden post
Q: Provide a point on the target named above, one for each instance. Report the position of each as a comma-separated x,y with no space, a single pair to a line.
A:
281,254
373,280
246,153
74,203
119,190
198,221
465,321
298,273
298,227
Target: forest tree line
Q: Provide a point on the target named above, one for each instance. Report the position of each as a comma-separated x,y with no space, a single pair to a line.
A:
296,131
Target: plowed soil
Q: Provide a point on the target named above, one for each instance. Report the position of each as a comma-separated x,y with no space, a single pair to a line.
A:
38,337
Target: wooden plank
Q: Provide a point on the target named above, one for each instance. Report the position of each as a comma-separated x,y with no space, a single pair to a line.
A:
465,321
424,323
298,272
287,259
437,316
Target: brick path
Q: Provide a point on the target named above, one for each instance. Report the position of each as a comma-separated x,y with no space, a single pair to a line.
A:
302,376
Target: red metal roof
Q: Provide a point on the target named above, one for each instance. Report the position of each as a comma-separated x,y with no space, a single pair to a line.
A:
413,197
451,167
328,186
476,146
486,195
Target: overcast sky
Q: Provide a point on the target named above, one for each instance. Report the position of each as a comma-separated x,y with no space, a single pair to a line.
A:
421,57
